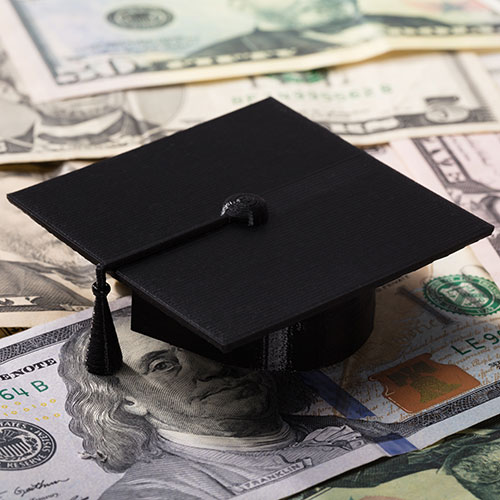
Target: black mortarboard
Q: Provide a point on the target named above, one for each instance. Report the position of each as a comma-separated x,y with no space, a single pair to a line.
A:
257,238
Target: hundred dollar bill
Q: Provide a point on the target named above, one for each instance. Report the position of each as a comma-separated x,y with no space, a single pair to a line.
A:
40,278
464,466
368,103
465,169
172,424
85,47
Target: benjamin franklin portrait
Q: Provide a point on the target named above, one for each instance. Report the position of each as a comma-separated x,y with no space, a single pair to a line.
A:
181,426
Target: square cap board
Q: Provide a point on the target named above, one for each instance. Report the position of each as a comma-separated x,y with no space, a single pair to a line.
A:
339,222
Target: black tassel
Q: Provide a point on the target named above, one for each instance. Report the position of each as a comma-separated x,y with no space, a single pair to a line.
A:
104,356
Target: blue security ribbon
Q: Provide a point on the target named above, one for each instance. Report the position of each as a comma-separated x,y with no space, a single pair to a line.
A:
350,407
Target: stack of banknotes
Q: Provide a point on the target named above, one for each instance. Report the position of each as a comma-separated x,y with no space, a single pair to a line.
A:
411,415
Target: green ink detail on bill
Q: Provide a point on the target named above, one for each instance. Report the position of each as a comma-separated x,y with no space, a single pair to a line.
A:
140,17
460,294
312,76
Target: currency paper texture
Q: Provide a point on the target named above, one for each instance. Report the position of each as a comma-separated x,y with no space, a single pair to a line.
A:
172,424
41,278
463,466
491,61
373,102
85,47
368,103
464,168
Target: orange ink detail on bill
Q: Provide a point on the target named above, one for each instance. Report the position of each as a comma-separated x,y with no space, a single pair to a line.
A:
419,383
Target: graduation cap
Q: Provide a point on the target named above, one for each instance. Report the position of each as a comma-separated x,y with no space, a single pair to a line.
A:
256,239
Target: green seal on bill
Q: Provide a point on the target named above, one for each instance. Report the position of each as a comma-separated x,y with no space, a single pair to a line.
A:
140,17
463,294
